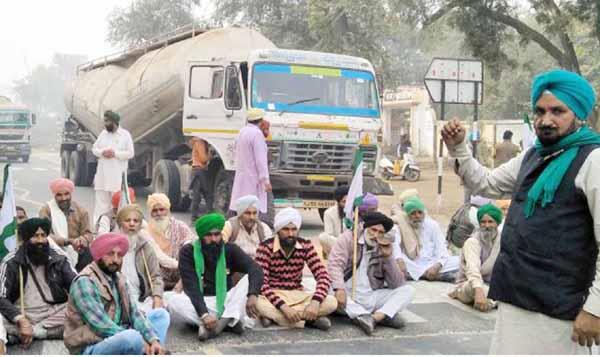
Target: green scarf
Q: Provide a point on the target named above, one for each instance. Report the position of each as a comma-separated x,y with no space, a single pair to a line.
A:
220,275
545,186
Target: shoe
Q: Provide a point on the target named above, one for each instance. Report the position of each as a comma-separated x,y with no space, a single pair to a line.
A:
238,328
366,323
396,322
55,333
202,332
12,340
221,325
265,322
322,323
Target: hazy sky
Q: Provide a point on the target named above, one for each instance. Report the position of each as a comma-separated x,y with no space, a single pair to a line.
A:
33,30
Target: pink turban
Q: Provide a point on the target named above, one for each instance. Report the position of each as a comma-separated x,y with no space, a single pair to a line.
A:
61,184
105,243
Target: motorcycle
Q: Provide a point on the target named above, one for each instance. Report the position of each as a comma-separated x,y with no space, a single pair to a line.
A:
405,169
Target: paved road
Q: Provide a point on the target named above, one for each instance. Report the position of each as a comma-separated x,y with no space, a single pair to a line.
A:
436,324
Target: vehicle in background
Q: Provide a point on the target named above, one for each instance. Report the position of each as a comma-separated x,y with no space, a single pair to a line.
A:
16,121
405,169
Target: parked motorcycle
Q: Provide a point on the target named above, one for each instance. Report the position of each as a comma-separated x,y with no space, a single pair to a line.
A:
405,169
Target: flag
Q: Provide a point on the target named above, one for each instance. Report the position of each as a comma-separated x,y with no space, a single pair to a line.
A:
125,199
8,216
355,193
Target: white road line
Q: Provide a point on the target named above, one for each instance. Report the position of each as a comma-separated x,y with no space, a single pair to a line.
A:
39,169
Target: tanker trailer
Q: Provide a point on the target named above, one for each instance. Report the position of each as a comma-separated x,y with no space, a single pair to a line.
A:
322,108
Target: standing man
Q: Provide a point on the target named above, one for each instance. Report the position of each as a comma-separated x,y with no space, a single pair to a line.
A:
505,150
113,148
201,185
548,287
70,223
251,165
101,318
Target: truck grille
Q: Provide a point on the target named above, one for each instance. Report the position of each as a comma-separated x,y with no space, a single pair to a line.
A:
11,136
318,157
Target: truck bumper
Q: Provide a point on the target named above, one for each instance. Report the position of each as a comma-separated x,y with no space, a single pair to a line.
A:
14,149
316,191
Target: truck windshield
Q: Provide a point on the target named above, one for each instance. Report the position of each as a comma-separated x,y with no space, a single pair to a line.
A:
14,118
314,90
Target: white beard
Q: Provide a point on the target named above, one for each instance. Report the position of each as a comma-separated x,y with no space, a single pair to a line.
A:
159,225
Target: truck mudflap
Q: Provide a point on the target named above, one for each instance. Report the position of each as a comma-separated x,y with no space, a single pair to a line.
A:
316,191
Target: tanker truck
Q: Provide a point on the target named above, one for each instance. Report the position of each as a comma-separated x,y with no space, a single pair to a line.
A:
322,108
16,121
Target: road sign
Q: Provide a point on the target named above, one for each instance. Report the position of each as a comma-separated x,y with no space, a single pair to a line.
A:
455,81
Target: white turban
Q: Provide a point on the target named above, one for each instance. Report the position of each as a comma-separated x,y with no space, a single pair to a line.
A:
287,216
245,202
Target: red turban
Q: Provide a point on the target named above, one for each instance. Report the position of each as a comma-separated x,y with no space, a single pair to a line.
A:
116,197
105,243
61,184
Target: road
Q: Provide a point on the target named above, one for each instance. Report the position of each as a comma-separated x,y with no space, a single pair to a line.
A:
436,324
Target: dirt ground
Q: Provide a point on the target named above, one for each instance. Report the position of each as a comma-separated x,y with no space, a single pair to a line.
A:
452,193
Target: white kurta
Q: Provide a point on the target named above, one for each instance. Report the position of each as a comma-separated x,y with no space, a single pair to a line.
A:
500,183
433,250
109,171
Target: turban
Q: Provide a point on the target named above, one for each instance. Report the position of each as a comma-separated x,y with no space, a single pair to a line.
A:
570,88
158,199
413,204
245,202
28,227
61,184
374,218
116,197
479,201
287,216
105,243
406,194
110,115
340,192
209,222
369,201
125,211
255,114
491,211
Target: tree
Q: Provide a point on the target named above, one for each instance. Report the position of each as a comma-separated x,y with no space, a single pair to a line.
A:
143,20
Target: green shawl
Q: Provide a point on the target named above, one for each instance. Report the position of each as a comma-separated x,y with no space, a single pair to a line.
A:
220,275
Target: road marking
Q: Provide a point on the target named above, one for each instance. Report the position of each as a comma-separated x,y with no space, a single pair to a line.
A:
39,169
411,317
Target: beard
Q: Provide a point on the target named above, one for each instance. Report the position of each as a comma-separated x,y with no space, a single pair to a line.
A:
488,234
212,249
341,213
109,269
110,128
64,205
38,253
288,242
416,224
160,224
548,135
370,239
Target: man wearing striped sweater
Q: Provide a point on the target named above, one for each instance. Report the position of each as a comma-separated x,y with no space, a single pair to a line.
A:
283,298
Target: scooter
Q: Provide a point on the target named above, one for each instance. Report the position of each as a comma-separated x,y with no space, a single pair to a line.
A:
405,169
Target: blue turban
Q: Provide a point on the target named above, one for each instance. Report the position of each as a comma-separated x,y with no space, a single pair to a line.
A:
570,88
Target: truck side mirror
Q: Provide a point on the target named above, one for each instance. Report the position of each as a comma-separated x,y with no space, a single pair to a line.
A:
380,87
33,119
233,93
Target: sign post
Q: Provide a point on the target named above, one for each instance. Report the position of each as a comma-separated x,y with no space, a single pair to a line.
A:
455,81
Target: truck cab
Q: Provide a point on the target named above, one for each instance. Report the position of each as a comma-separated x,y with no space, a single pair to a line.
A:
15,131
322,108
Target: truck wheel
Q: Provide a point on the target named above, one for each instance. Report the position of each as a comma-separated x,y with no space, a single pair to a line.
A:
90,173
25,158
64,163
223,184
77,169
165,179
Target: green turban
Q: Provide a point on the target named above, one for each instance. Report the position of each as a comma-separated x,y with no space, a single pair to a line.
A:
413,204
109,114
490,210
209,222
570,88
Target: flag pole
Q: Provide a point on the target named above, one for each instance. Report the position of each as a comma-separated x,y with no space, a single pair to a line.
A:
354,252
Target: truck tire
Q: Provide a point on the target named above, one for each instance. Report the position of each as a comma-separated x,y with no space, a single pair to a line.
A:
165,179
25,158
90,174
64,163
223,184
77,169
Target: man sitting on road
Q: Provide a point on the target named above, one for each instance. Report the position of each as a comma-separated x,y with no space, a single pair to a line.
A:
282,259
169,235
211,300
381,292
333,220
107,222
70,223
101,318
39,311
477,259
142,270
246,230
431,260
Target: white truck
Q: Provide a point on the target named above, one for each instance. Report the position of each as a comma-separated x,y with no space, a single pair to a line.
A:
322,107
16,121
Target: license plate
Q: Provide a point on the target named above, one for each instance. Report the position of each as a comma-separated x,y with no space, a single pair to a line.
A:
300,203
